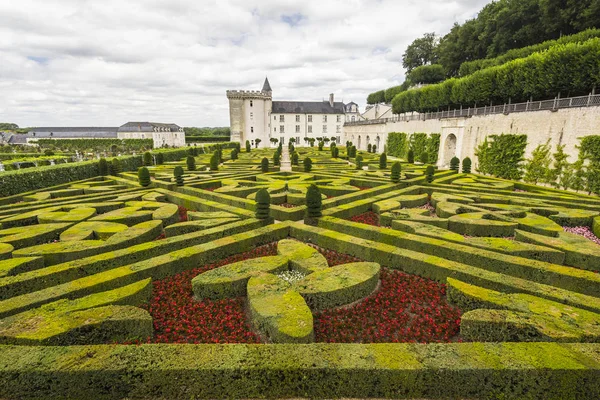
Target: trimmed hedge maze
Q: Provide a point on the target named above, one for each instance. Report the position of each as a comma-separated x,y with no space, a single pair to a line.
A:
465,287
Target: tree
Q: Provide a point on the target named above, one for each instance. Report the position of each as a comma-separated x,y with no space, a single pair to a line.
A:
427,74
466,165
292,140
311,141
429,171
307,164
424,157
537,168
191,162
410,156
257,142
276,157
374,149
103,166
143,176
314,204
160,158
321,144
263,204
116,167
352,152
264,165
178,174
359,162
295,158
559,166
234,154
292,148
421,51
248,147
396,168
454,163
274,140
369,148
214,162
383,161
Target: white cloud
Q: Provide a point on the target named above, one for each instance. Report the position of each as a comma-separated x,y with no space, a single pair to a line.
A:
84,62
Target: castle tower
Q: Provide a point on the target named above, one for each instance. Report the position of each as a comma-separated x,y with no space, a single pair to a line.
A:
249,114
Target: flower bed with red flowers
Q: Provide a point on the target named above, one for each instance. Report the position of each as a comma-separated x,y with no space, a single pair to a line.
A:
405,308
288,205
369,218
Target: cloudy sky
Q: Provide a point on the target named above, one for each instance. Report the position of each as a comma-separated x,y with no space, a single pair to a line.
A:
103,63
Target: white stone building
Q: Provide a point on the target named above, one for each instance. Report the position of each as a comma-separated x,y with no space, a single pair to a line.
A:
254,115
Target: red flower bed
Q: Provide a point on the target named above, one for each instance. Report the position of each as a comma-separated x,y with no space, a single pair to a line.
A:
369,218
288,205
406,308
183,214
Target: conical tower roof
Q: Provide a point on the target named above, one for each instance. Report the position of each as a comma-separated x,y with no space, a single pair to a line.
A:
267,86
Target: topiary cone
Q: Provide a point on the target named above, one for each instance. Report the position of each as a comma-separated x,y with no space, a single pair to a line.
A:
263,204
143,176
314,205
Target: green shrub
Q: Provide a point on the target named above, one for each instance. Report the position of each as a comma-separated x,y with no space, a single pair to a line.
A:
411,156
264,164
307,164
295,158
191,163
103,166
424,157
234,154
214,161
466,165
502,156
454,163
263,204
429,171
376,97
383,161
147,158
369,148
143,176
178,174
336,152
248,147
314,202
116,167
160,158
396,168
374,148
276,158
321,144
359,162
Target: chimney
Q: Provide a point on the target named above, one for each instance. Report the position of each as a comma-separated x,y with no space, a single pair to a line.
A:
331,99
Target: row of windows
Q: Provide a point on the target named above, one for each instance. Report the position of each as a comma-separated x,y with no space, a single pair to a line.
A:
310,118
282,139
338,129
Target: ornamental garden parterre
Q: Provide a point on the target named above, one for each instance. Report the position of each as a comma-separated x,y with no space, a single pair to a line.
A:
213,279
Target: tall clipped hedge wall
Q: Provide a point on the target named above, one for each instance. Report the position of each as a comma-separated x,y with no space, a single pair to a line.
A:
502,156
571,69
100,144
469,67
398,144
206,139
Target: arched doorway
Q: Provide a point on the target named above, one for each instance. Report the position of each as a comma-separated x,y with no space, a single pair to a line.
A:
377,140
358,146
449,148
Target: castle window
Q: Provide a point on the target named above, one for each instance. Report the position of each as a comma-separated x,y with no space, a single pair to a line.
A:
310,129
297,118
353,118
338,129
251,115
297,128
251,103
324,128
310,118
251,129
282,118
339,118
281,128
324,118
274,117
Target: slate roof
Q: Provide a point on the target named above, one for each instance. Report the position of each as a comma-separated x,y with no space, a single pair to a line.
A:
267,86
72,132
146,127
307,107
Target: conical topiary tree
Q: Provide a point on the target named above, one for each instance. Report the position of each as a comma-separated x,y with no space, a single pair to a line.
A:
214,162
191,163
314,204
410,157
429,171
116,167
248,147
143,176
454,162
263,204
178,174
264,165
369,147
352,152
466,165
424,157
321,144
295,158
276,158
374,149
336,152
307,164
160,158
147,158
383,161
396,169
234,154
103,166
359,162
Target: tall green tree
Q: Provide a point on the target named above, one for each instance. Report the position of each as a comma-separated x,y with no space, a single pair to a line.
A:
537,168
421,51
